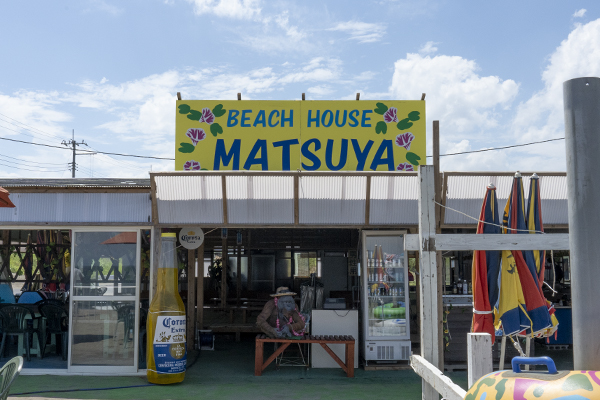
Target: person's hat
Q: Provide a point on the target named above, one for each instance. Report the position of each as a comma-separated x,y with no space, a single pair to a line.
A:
283,291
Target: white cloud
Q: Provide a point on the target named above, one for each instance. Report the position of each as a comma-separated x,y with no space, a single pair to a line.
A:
101,5
320,90
428,48
456,94
541,117
362,32
579,13
237,9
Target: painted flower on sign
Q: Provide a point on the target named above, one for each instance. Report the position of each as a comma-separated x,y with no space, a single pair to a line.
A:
390,115
207,116
191,166
196,134
404,140
405,167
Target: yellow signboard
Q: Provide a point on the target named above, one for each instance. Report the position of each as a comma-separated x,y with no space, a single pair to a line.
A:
306,135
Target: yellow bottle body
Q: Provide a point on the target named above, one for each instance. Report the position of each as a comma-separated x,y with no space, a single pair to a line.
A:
166,348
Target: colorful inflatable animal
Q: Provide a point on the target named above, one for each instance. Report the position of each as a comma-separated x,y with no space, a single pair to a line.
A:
536,385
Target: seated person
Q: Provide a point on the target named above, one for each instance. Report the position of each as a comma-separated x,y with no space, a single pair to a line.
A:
280,317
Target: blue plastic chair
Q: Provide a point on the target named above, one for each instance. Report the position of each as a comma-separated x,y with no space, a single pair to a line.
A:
30,298
6,294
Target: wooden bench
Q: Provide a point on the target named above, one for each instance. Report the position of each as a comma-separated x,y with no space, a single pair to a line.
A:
348,367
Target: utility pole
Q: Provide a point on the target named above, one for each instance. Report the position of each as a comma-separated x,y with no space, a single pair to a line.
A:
72,143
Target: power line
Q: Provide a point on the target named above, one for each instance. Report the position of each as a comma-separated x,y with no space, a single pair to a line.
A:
37,170
26,161
500,148
29,126
96,151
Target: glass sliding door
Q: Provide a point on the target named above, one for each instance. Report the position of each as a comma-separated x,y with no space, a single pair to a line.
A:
104,301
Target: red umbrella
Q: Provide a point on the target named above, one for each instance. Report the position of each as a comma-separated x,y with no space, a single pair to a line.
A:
4,200
486,267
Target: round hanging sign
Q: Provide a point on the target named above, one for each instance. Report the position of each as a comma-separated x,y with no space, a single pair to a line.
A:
191,238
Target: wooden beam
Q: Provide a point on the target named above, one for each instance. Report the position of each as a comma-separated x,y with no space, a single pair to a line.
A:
239,96
200,289
286,173
438,256
296,200
479,356
224,272
155,259
430,338
155,220
471,241
423,97
191,299
303,96
357,96
224,195
433,376
178,96
368,201
238,284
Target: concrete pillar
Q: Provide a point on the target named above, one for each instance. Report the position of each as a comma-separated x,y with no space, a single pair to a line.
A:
582,134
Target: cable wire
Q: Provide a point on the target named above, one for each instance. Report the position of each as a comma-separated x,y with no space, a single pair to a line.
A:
500,148
489,223
88,151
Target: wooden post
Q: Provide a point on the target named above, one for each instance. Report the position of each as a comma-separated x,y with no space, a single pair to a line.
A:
479,356
155,259
430,338
191,299
438,229
296,198
368,201
239,274
200,289
224,273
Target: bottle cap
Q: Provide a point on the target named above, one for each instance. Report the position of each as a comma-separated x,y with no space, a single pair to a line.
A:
168,234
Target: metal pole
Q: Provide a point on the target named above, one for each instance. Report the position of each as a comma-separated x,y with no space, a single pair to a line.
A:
73,166
582,134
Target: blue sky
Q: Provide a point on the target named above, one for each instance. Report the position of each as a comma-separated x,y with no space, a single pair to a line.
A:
110,70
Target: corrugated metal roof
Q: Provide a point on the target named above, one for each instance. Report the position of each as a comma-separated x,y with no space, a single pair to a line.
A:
96,208
260,200
193,199
332,200
465,194
394,200
77,182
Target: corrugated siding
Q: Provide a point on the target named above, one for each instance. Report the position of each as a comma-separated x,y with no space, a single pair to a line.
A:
260,200
57,208
465,194
332,200
189,199
394,200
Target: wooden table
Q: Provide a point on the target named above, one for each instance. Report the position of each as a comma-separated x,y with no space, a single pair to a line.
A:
348,367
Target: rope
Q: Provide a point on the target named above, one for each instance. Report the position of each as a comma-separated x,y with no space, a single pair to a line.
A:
488,223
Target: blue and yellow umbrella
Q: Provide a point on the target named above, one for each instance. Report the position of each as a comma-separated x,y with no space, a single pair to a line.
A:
486,267
522,306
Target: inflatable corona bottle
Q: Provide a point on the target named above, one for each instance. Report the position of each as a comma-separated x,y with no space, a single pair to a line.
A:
166,345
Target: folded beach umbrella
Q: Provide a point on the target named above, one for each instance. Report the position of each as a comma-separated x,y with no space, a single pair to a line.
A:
486,267
536,226
515,223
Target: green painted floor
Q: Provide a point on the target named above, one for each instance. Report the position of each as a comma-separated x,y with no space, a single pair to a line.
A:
228,373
